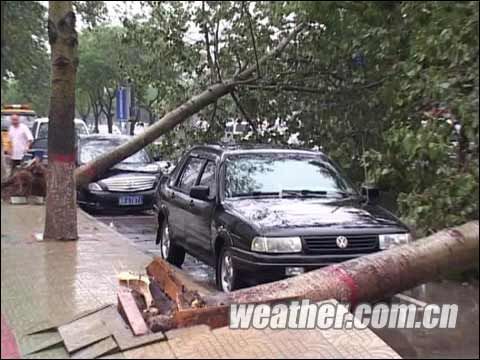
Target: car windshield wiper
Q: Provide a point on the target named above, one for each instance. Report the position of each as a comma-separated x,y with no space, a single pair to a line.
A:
304,193
257,193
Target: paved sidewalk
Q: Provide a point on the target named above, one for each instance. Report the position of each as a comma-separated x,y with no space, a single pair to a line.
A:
50,282
45,284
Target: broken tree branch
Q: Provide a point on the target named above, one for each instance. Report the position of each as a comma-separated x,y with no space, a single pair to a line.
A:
215,51
311,90
92,170
207,45
254,43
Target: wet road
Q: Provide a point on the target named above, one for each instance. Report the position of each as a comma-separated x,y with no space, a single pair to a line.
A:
461,342
141,229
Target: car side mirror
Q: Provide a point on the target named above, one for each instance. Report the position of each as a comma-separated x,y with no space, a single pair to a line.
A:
371,193
200,192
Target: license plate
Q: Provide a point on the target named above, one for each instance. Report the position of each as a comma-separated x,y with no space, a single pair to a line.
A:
130,200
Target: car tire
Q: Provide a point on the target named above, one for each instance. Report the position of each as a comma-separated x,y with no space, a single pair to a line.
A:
228,278
174,254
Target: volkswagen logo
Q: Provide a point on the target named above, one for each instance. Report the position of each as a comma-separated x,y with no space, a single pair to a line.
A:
342,242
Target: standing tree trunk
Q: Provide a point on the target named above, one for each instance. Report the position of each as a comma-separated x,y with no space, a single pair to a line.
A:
96,109
61,210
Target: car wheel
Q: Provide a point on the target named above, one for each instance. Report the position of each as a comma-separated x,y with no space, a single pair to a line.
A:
172,253
227,276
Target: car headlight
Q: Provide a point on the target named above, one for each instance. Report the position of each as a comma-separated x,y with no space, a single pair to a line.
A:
390,240
292,244
94,187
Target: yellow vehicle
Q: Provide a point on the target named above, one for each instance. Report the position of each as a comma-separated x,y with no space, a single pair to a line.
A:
26,114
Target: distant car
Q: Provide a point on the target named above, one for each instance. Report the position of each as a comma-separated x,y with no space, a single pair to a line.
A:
39,145
129,185
260,214
40,128
103,129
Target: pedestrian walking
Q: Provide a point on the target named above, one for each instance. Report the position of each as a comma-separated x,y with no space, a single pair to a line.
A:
21,139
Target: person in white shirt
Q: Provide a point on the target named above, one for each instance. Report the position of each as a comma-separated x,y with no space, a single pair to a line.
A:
21,139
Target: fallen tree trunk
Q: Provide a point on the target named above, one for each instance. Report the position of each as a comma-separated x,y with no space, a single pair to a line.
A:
376,276
92,170
369,278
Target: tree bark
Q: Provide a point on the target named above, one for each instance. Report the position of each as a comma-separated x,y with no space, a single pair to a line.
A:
88,172
61,210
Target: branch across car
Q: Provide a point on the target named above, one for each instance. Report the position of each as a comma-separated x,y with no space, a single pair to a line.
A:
260,214
129,185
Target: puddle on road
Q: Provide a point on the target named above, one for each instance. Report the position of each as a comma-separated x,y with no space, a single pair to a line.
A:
199,271
461,342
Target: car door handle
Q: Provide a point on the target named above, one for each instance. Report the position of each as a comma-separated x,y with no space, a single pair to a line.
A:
172,195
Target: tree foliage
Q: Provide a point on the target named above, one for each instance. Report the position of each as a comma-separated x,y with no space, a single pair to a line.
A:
25,61
380,86
389,89
99,72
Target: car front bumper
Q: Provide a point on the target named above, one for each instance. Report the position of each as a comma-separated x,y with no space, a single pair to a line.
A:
106,200
257,267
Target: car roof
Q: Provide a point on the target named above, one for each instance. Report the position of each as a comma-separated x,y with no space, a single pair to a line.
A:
231,149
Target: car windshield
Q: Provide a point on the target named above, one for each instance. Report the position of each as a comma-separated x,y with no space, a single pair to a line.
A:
80,129
284,175
92,149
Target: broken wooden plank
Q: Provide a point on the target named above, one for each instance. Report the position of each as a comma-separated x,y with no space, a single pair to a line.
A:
96,350
138,282
129,309
171,282
165,276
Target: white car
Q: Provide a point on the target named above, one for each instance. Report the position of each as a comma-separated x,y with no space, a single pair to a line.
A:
40,128
103,129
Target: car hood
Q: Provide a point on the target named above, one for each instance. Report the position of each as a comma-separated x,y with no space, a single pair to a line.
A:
274,213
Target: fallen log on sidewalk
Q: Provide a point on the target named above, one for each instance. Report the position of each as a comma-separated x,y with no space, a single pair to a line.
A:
369,278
